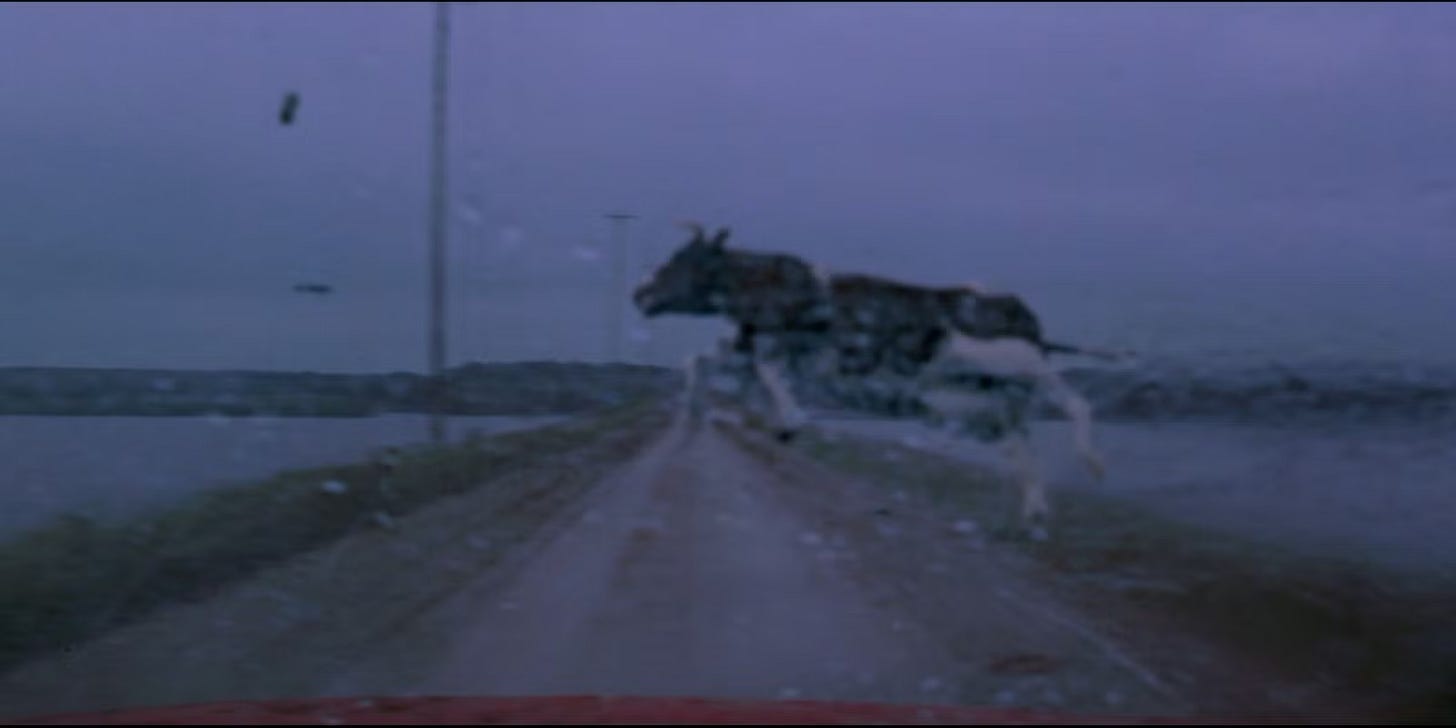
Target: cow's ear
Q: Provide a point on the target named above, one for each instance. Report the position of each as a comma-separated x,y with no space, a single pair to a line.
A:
720,238
696,230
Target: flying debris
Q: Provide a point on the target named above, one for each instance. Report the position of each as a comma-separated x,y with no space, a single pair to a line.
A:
317,288
289,110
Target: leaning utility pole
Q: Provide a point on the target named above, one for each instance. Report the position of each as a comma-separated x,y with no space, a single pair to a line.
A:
439,391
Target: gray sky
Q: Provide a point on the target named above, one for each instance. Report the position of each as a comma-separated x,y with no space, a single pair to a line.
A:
154,213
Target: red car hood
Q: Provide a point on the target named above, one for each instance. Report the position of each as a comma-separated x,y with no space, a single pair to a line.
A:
582,710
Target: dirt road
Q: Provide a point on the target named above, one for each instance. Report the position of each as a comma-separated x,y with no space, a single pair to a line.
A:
702,567
684,580
691,573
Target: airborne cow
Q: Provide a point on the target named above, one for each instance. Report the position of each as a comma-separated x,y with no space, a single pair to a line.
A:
971,358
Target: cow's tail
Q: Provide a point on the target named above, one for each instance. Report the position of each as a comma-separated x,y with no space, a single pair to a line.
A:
1052,347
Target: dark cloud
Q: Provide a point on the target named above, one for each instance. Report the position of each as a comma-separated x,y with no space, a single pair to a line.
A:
155,212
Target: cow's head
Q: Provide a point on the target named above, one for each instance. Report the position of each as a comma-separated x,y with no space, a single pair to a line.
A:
691,281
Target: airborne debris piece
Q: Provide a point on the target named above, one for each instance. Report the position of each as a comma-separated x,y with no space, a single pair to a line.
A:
289,110
318,288
965,527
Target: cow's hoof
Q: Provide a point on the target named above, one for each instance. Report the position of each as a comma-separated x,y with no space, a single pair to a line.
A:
1035,524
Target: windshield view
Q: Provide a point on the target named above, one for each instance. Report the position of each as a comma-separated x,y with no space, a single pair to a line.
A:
948,359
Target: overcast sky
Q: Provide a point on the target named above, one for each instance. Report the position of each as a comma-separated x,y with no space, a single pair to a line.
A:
153,212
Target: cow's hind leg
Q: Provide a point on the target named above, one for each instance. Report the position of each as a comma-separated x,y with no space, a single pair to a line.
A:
1080,413
1035,513
998,417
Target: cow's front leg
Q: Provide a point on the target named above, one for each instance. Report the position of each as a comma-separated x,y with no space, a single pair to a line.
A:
693,374
791,418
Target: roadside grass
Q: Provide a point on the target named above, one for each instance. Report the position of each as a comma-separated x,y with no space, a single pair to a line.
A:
1384,641
75,579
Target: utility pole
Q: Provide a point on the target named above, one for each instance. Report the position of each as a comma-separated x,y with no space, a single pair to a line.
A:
439,178
615,305
645,324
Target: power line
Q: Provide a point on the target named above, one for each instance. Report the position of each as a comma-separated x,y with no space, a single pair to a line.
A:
615,305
